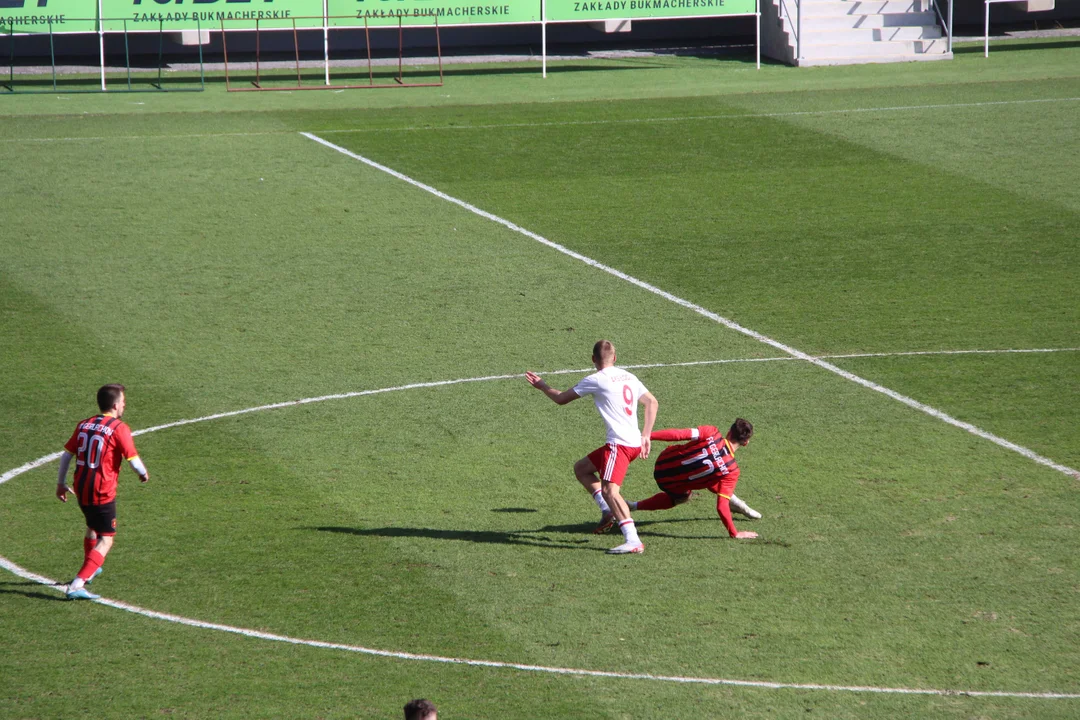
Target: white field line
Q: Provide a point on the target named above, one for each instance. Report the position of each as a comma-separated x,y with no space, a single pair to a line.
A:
26,574
731,324
15,472
562,123
260,635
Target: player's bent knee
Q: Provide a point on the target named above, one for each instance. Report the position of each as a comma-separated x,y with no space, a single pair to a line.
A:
679,498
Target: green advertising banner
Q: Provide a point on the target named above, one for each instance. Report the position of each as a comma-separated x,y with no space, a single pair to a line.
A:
354,13
38,16
143,15
571,10
35,16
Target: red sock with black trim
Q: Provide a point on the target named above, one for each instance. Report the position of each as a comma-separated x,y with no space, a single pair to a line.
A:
94,560
659,501
88,544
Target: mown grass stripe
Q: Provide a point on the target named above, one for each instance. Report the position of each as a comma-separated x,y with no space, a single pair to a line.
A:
262,635
730,324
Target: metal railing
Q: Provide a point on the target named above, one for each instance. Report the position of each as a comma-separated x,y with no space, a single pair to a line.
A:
945,23
796,27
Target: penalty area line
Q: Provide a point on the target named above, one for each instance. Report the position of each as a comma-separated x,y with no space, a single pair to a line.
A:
730,324
360,649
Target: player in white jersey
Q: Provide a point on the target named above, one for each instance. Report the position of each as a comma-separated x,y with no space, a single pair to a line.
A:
616,393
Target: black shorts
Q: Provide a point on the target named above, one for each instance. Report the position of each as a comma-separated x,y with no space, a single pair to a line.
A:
100,518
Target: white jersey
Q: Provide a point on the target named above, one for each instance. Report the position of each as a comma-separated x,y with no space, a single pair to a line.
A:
616,393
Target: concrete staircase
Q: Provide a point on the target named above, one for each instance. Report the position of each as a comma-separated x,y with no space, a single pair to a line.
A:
848,32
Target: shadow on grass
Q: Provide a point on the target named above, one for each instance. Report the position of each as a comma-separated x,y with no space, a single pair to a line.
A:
487,537
1003,45
12,588
540,537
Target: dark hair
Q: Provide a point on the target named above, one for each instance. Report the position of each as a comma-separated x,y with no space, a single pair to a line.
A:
109,395
603,351
741,431
419,709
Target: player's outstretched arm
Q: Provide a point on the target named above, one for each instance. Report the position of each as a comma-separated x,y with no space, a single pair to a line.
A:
559,397
674,434
62,489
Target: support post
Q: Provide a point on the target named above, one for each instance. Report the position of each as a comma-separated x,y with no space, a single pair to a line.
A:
202,70
951,3
400,51
225,54
757,38
543,38
11,58
258,55
438,48
367,43
296,47
52,55
101,43
798,32
326,40
127,52
160,50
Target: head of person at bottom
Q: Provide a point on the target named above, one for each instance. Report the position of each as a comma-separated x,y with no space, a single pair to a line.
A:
421,709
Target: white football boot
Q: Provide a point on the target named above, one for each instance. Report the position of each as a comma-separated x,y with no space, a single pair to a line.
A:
740,507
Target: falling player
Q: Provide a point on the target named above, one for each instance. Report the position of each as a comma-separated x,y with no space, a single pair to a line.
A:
616,393
706,461
99,445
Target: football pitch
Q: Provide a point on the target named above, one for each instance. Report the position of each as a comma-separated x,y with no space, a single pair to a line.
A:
323,304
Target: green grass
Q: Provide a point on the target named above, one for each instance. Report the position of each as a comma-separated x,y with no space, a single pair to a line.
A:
200,250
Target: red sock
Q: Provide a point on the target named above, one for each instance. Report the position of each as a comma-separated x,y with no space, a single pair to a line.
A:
88,545
659,501
94,560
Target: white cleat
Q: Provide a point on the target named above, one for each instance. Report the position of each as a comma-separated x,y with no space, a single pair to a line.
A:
627,548
742,508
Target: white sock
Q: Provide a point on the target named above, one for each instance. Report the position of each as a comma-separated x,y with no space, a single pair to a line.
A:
598,496
736,503
629,531
77,583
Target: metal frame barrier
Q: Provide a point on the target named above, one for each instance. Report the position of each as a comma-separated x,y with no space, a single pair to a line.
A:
129,86
398,80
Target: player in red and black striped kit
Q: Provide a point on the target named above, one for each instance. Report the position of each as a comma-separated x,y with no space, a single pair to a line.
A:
99,445
707,461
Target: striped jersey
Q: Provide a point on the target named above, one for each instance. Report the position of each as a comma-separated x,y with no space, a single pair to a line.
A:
100,445
704,461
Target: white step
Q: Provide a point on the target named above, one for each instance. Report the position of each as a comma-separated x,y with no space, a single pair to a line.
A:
871,49
812,62
867,21
858,7
858,35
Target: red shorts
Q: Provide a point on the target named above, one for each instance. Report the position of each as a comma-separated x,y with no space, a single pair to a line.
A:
612,460
724,486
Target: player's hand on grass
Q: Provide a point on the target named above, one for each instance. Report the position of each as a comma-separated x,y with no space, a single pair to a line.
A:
534,379
144,478
745,535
